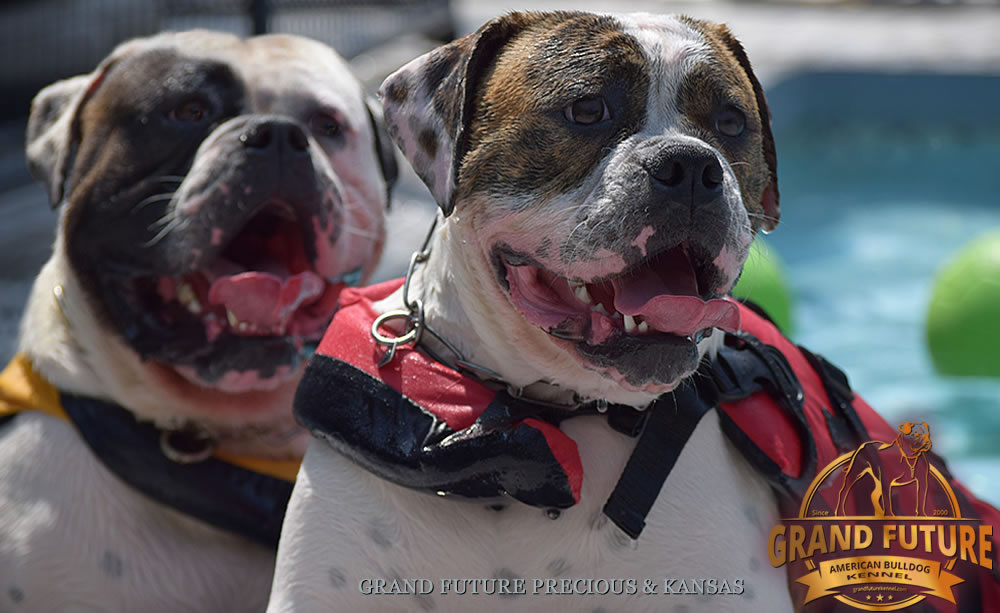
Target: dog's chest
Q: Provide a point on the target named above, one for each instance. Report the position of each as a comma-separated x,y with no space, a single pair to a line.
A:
78,537
710,522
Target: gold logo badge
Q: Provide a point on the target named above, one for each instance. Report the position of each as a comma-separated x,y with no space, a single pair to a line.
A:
880,529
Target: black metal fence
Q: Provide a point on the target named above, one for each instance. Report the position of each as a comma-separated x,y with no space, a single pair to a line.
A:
45,40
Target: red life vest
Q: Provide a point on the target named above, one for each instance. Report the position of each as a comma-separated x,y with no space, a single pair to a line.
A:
421,424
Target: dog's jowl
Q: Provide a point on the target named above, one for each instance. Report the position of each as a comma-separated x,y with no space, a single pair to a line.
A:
562,408
215,196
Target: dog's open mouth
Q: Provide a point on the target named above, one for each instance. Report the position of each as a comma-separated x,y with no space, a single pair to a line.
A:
662,299
244,319
262,284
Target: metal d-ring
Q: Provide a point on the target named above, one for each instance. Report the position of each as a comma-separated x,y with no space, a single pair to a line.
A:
411,334
414,312
416,326
188,445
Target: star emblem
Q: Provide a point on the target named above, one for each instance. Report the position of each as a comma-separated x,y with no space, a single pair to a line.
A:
868,597
879,598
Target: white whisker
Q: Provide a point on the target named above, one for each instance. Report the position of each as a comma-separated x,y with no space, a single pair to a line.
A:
151,200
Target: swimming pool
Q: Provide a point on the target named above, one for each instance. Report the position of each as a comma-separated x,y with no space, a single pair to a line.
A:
883,178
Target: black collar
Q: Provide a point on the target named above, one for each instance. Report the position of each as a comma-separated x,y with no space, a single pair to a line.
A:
226,496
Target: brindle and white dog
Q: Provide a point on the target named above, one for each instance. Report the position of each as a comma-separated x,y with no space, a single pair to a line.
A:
603,177
216,196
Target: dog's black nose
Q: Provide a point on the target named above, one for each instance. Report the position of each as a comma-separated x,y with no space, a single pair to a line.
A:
275,133
685,172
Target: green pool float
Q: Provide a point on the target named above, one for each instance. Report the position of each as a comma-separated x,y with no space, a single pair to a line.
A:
963,321
764,282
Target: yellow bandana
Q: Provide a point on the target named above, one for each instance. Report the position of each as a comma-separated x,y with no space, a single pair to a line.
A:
22,388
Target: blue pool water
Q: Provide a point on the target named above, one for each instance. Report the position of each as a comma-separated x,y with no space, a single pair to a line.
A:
883,179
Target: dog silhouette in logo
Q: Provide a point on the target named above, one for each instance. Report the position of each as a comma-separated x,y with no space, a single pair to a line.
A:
900,464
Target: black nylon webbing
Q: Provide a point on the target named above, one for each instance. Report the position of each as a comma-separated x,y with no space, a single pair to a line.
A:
672,420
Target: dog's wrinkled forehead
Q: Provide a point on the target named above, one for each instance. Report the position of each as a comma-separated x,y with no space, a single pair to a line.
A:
283,72
276,74
508,86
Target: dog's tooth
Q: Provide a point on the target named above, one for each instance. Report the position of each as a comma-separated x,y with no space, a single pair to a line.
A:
233,320
629,324
643,327
599,308
187,297
582,294
244,326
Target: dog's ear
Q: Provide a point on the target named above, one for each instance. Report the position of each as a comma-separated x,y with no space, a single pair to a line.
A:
427,102
53,131
769,198
51,124
384,149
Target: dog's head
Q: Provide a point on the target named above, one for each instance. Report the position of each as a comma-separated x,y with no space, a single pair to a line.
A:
610,170
916,436
217,195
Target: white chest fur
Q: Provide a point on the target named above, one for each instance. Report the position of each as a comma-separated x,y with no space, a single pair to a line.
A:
75,538
710,521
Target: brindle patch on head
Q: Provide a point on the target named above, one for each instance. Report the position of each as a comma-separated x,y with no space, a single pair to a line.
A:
518,132
127,143
729,81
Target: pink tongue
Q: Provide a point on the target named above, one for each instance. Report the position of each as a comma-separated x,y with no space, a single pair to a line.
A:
667,298
263,299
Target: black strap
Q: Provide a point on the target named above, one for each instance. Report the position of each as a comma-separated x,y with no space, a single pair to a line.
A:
227,496
671,422
743,366
846,428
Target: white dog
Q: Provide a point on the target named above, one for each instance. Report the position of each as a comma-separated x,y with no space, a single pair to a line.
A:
216,195
602,178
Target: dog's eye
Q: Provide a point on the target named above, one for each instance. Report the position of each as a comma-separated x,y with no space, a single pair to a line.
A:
193,110
730,122
587,111
324,125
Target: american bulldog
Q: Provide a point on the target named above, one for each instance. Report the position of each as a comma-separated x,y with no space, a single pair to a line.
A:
601,179
215,195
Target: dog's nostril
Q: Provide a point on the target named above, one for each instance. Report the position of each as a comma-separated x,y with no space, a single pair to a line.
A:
297,139
711,177
670,174
257,137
